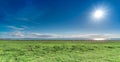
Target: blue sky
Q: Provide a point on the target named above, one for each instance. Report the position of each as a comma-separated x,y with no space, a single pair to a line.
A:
51,18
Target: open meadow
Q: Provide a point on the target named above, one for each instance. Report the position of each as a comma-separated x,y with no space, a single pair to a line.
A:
59,51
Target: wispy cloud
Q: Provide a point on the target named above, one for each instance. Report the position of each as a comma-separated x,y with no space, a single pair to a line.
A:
17,28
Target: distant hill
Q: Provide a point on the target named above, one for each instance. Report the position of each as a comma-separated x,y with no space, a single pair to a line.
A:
52,39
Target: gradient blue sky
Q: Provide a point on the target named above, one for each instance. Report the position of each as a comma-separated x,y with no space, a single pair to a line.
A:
58,17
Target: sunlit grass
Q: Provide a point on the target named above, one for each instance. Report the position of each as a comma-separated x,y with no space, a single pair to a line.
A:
59,51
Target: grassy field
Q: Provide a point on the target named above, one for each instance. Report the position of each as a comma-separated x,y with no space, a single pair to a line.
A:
59,51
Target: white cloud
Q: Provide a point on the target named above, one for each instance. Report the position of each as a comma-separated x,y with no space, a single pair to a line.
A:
87,36
39,35
92,36
17,34
21,34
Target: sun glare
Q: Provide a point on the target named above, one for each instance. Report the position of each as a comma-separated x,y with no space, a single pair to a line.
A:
98,14
99,39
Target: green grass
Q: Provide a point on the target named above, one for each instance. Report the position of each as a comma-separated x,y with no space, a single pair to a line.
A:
59,51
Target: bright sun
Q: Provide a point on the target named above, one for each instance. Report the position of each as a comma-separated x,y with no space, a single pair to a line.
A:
98,14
